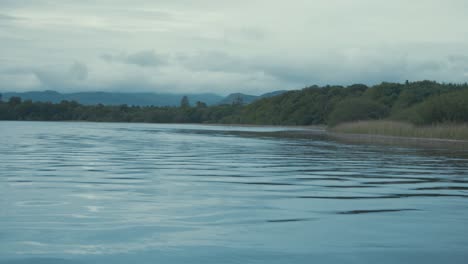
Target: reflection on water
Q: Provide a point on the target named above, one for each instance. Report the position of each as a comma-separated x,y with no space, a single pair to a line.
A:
144,193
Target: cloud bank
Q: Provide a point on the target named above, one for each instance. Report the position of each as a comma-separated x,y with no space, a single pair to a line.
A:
251,46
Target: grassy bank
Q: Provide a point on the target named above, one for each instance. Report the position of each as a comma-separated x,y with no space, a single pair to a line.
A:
400,129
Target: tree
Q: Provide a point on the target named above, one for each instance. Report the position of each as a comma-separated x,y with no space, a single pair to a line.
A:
14,100
201,104
449,107
356,109
238,100
184,103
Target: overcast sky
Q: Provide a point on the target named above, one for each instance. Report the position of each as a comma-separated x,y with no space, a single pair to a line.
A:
251,46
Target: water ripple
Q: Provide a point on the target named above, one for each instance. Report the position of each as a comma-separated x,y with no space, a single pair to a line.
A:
112,190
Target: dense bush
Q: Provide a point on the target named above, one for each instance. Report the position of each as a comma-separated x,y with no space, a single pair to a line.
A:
357,109
450,107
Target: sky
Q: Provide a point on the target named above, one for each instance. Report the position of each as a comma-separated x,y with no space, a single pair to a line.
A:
249,46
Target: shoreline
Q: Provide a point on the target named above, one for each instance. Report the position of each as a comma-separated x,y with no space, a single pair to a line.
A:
373,139
314,131
397,141
379,136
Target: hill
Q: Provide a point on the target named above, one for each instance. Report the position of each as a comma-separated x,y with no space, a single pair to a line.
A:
422,102
240,98
137,99
112,98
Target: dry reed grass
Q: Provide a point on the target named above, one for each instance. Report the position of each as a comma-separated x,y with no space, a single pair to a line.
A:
400,129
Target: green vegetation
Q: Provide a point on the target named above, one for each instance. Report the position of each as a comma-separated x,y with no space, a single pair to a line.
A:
422,103
449,107
16,109
425,104
401,129
356,109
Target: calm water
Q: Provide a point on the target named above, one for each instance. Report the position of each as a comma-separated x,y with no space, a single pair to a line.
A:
147,193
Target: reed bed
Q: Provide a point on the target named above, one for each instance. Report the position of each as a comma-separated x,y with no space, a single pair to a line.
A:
400,129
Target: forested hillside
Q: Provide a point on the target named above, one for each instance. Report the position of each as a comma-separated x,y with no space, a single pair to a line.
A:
424,102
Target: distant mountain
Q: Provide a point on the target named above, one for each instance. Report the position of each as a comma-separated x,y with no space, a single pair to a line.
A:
140,99
112,98
271,94
238,97
247,98
42,96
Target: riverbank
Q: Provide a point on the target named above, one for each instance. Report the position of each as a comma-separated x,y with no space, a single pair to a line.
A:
453,136
373,131
356,135
398,141
321,133
406,130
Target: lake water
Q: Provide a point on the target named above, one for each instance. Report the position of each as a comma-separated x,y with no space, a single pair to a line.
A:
151,193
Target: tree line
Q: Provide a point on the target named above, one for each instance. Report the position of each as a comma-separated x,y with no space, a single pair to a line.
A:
422,103
17,109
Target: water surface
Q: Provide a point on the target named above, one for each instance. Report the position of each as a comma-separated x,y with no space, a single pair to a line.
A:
151,193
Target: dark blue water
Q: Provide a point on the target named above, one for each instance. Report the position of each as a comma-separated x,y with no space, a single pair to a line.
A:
149,193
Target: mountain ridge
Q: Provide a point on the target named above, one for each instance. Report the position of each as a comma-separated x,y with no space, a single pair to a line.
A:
137,99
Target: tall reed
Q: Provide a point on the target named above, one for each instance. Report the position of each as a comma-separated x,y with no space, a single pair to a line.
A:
400,129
